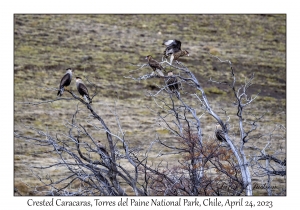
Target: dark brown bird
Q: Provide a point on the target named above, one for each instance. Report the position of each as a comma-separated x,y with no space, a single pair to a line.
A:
65,81
155,65
220,134
173,50
173,84
102,148
83,91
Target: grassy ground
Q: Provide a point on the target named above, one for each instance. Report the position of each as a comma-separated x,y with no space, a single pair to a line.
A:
105,48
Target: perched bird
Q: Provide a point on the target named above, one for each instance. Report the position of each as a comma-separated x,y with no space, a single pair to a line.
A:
173,50
155,65
83,91
220,134
102,148
173,84
65,81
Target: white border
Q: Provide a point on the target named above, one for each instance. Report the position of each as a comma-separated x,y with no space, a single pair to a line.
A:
151,6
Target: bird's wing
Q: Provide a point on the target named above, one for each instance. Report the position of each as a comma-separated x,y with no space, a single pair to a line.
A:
65,81
173,44
154,63
220,135
82,89
172,81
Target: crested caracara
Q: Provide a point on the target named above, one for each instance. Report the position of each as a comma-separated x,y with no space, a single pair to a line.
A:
155,65
173,50
65,81
83,91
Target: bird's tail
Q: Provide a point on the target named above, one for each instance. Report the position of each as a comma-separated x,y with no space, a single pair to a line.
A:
177,93
163,68
60,91
159,72
87,99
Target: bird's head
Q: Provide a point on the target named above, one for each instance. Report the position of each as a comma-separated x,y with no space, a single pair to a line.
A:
218,126
186,53
148,57
69,70
170,73
78,78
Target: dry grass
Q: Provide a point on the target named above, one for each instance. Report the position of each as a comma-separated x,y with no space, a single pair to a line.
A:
103,48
